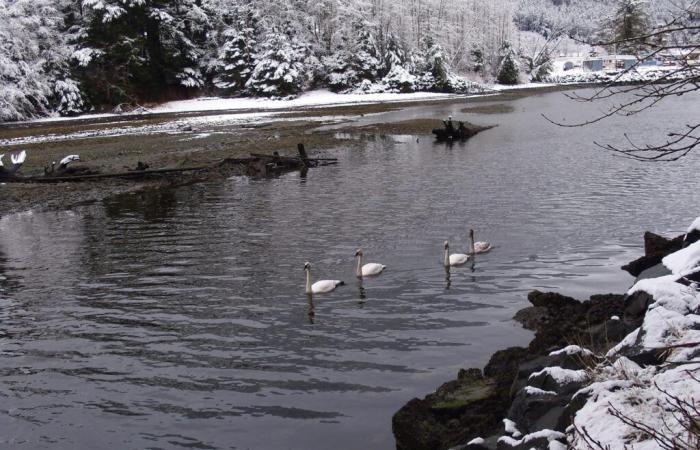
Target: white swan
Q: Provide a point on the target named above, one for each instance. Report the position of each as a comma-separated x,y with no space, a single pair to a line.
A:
17,161
369,269
321,286
67,160
455,259
18,158
477,247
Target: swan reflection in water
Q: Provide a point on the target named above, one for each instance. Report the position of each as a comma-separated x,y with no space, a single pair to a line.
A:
448,275
363,295
312,309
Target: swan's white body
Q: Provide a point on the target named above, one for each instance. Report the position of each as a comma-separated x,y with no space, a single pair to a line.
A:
369,269
69,159
19,158
477,247
321,286
455,259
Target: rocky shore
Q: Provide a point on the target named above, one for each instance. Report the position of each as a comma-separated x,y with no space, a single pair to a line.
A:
608,372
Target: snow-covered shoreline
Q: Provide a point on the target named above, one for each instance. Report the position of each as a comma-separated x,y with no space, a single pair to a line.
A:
309,100
615,371
323,98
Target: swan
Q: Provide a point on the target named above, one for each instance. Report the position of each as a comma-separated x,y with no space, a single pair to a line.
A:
67,160
18,158
455,259
17,161
321,286
477,247
368,269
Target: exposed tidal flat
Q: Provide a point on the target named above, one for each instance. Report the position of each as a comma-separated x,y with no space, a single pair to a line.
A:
176,317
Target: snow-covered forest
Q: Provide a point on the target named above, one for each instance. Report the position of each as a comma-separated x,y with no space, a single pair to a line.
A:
70,56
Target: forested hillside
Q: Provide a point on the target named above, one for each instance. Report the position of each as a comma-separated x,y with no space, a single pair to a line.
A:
70,56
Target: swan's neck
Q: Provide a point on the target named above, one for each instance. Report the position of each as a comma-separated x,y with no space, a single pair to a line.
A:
447,257
358,272
308,281
471,243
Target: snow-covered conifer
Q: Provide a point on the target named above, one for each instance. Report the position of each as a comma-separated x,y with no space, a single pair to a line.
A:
279,70
237,58
509,69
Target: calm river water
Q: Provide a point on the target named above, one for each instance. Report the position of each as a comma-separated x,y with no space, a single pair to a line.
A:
178,318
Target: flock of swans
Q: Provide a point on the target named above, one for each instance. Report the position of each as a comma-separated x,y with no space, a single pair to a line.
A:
373,269
19,158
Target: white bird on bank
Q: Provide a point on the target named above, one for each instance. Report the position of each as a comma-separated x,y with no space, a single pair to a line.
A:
455,259
18,158
17,161
67,160
321,286
477,247
369,269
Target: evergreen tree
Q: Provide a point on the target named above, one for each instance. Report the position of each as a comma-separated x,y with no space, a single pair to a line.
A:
279,70
34,61
629,21
142,50
366,59
509,69
237,58
433,66
477,60
340,70
394,54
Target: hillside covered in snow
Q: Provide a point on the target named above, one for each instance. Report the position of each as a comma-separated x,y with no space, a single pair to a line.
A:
67,57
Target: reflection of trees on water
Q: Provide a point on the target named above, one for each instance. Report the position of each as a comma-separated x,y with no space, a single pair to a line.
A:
152,205
9,282
43,249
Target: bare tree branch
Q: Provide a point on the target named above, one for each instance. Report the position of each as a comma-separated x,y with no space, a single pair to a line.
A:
676,40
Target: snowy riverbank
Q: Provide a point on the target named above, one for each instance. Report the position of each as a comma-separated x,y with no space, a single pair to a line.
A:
251,105
611,372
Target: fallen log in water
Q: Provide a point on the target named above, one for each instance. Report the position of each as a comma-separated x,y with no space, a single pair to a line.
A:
257,165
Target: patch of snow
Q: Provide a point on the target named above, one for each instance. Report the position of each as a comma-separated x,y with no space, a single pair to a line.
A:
615,318
638,74
642,401
511,428
170,127
694,226
318,98
572,350
531,390
556,445
476,441
531,85
562,376
683,260
550,435
668,294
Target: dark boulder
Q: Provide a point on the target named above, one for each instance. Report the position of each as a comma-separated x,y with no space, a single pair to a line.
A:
656,248
534,411
470,406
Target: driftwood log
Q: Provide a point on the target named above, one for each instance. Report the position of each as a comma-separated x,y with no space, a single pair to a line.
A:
256,165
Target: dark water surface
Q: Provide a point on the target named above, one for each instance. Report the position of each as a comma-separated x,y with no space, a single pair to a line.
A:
178,319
